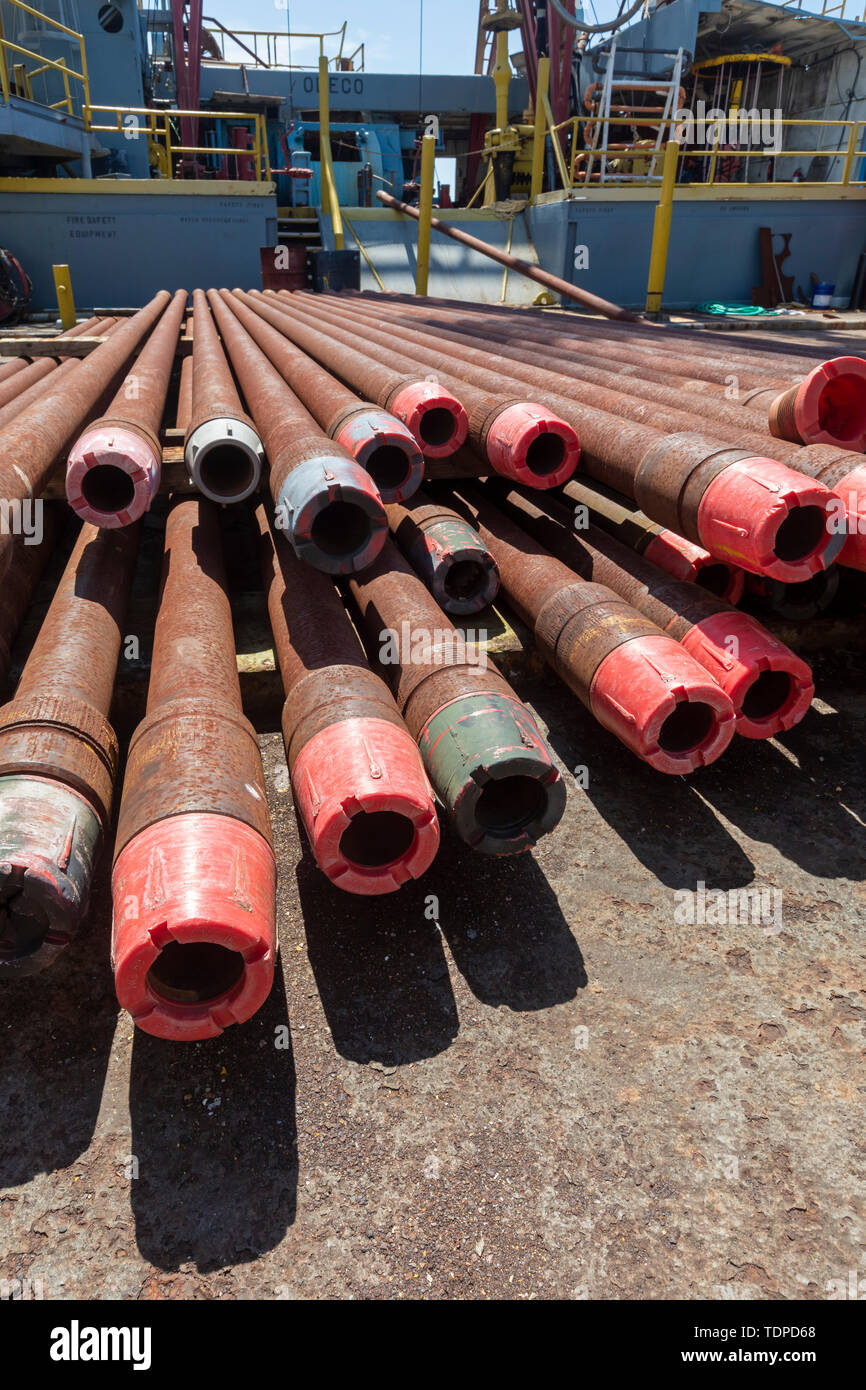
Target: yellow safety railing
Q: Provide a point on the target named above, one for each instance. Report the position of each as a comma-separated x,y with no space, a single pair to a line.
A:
269,46
156,126
847,148
830,9
22,75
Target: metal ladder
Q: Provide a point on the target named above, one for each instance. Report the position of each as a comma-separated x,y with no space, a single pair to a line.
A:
603,122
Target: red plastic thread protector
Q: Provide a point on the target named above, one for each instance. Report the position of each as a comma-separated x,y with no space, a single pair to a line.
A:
366,767
684,560
647,682
750,664
365,434
532,446
125,452
830,405
414,405
851,490
745,507
191,879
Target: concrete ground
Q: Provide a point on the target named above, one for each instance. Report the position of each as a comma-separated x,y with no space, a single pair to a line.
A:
515,1079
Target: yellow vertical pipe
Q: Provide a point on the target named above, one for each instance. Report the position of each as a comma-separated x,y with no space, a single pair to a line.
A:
4,71
502,79
850,153
65,298
324,130
425,211
662,229
540,136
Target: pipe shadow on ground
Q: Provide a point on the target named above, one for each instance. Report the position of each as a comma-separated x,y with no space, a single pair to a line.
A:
380,963
805,791
667,827
217,1183
58,1032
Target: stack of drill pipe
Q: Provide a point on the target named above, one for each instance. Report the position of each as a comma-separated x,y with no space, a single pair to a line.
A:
744,507
637,681
448,554
795,602
801,400
58,755
616,515
45,381
223,449
114,468
29,373
358,781
486,759
430,412
194,879
521,439
642,390
376,440
327,503
36,441
30,555
769,686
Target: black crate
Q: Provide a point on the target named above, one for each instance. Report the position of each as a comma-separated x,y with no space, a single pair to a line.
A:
336,270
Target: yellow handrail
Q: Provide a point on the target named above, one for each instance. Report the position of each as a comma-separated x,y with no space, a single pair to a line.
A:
847,151
155,132
264,45
45,64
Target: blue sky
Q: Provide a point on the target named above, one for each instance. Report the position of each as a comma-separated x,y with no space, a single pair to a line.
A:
389,28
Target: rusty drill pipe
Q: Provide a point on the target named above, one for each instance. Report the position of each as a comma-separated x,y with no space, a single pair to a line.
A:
329,506
448,554
40,436
800,400
194,878
379,442
681,559
532,272
520,439
795,602
769,687
637,681
29,558
32,372
689,343
486,759
744,507
223,449
58,755
47,381
115,466
435,419
358,781
826,406
837,469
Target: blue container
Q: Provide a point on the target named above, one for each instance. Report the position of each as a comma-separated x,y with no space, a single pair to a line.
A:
822,293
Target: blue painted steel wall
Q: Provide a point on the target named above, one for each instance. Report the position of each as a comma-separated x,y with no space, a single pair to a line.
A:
714,248
114,63
366,91
122,248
